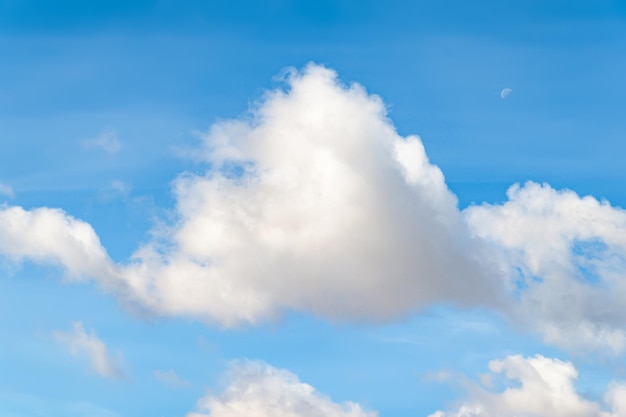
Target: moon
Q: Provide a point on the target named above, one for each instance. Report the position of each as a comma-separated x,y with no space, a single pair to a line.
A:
505,92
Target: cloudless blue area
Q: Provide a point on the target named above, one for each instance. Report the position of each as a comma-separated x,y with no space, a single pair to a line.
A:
156,72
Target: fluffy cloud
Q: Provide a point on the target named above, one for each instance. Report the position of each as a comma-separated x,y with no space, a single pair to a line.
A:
52,236
565,257
258,390
88,345
313,203
537,387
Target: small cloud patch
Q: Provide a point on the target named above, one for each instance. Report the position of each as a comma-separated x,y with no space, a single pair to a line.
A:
171,379
6,191
85,344
107,141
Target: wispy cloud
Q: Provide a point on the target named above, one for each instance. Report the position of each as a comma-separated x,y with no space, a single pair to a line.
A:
114,190
6,191
107,141
120,187
171,379
80,343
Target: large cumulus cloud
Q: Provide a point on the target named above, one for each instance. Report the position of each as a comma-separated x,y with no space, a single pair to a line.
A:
313,202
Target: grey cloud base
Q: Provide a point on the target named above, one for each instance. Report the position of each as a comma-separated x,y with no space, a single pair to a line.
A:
315,203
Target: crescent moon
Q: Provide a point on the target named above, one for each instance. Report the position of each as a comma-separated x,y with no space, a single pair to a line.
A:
505,92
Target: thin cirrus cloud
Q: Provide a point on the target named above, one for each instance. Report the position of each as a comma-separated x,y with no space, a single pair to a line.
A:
170,378
315,203
534,386
256,389
106,141
87,345
6,190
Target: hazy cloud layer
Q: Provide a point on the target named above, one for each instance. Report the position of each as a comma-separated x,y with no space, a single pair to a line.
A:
257,390
537,387
87,345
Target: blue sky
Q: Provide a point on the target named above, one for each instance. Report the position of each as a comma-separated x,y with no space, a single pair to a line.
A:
360,275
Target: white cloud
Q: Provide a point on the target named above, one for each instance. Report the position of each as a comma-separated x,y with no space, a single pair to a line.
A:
332,209
315,203
6,191
334,213
120,187
52,236
258,390
83,344
170,378
565,257
107,141
538,387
